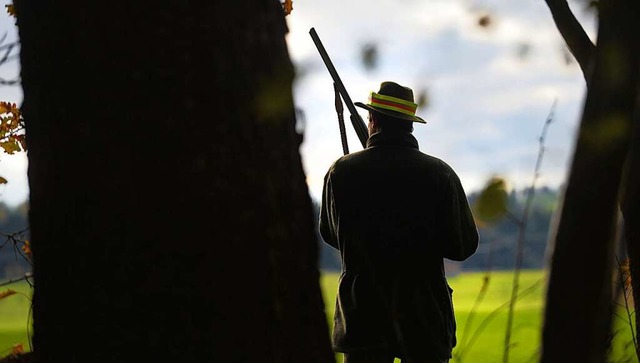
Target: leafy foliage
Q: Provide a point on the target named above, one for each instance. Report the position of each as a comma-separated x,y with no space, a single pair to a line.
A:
12,138
11,10
6,293
491,205
287,6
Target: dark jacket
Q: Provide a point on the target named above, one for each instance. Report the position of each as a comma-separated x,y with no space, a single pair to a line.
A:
394,213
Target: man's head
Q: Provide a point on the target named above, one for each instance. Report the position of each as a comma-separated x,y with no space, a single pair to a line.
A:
391,109
381,122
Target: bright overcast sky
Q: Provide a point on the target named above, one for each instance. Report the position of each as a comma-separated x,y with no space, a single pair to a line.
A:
487,102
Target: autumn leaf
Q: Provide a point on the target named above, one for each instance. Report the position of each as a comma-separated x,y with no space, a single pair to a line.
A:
484,21
26,248
491,205
17,349
3,180
10,146
22,140
12,138
287,5
11,10
625,271
7,293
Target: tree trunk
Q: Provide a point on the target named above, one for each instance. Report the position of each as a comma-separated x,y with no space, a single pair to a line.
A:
579,292
583,50
630,206
169,213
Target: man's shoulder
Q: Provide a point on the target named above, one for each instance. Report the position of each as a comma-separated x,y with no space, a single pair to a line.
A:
346,160
432,162
413,156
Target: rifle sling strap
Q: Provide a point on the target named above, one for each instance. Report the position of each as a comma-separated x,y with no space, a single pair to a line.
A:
339,111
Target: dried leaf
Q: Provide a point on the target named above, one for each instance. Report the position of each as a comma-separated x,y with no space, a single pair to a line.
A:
17,349
484,21
26,248
423,99
22,140
10,146
11,10
625,271
491,205
287,6
7,293
3,180
369,55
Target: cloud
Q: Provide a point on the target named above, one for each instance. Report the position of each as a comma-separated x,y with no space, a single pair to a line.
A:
490,88
488,99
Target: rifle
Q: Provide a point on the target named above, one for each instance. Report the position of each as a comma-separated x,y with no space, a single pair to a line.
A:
357,122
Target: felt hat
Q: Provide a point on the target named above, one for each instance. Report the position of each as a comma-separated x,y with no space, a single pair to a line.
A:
394,100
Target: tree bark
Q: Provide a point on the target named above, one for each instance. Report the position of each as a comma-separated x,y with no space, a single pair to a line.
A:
630,207
574,35
579,292
583,50
170,217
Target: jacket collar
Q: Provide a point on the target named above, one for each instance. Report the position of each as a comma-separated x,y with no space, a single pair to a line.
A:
404,139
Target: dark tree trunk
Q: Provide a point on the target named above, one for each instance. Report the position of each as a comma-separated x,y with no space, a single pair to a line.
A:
581,47
630,206
169,214
579,293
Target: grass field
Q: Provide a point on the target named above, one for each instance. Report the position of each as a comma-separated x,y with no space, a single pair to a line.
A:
480,334
14,313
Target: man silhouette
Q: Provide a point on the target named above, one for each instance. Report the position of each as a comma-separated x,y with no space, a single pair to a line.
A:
394,213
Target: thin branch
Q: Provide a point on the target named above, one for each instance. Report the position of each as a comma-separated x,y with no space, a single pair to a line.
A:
12,44
521,233
25,277
12,234
625,293
494,313
10,82
574,35
6,54
479,298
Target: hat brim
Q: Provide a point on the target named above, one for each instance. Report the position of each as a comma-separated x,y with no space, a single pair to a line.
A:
395,114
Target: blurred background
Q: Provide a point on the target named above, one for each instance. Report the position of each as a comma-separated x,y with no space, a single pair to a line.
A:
487,75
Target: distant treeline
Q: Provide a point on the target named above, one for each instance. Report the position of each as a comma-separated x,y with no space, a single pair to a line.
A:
498,240
496,250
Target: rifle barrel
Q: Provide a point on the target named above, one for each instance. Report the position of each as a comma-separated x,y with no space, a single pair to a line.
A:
356,119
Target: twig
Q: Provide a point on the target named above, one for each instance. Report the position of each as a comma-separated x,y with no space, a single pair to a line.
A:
623,281
476,304
7,53
493,314
522,227
9,82
25,277
12,44
12,234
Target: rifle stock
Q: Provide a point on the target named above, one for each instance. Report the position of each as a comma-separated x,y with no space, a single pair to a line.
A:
357,122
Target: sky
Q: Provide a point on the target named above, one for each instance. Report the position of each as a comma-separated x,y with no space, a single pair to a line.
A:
489,89
487,102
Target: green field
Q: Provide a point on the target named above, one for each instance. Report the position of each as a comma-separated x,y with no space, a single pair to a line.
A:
481,331
474,345
14,313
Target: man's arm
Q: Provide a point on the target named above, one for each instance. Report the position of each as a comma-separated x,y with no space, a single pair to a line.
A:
326,224
460,238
